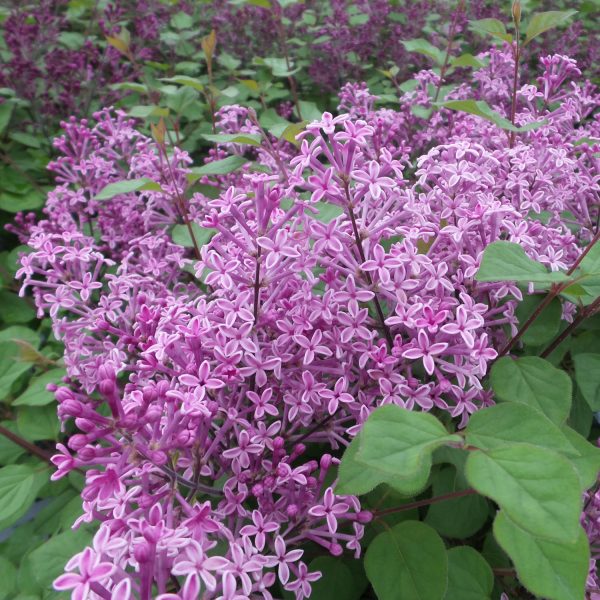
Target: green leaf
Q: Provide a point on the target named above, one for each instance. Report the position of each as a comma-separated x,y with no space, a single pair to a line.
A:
470,577
251,139
468,60
546,325
180,234
19,485
506,261
27,139
422,46
126,187
509,422
220,167
539,489
337,580
354,479
457,518
327,211
15,309
492,27
409,561
549,569
310,111
587,376
8,577
278,66
36,394
541,22
399,443
587,463
533,381
6,109
38,422
129,86
48,561
11,367
14,203
358,19
143,112
482,109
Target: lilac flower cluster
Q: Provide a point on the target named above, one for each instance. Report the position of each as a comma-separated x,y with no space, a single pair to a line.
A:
214,392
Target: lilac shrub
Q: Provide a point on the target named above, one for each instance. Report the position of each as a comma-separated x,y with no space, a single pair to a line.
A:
213,389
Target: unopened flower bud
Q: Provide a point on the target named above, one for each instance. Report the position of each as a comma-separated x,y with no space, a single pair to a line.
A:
142,552
364,516
516,11
77,441
335,549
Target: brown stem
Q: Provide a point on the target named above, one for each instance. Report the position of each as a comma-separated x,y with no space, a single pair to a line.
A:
291,79
451,35
23,443
554,292
584,253
505,572
426,502
363,258
513,107
534,315
270,149
563,335
180,202
257,286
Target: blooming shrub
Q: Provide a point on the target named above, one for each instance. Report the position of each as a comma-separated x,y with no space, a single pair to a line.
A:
224,349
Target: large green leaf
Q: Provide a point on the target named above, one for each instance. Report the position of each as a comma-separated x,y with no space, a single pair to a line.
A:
538,488
354,479
220,167
251,139
482,109
500,425
533,381
541,22
36,394
15,309
185,81
181,235
549,569
48,561
470,577
11,368
587,376
8,577
493,27
6,109
422,46
125,187
409,561
587,463
38,422
337,580
399,442
506,261
19,485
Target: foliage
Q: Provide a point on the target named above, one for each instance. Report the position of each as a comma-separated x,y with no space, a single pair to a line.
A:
299,344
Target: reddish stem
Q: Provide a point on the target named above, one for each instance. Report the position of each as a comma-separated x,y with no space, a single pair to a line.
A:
426,502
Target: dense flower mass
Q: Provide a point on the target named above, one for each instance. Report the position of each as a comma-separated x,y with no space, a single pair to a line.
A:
213,384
